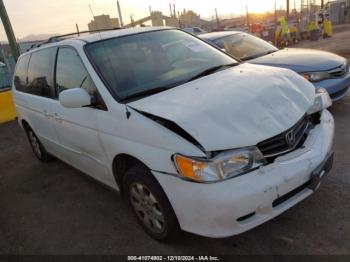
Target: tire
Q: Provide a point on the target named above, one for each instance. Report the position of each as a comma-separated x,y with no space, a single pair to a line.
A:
150,205
37,147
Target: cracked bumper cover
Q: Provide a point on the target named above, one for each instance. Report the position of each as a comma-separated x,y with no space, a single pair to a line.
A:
213,209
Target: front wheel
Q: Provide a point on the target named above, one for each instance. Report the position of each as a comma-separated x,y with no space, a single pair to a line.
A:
150,204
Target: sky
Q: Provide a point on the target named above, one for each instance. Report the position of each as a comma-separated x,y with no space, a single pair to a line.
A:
60,16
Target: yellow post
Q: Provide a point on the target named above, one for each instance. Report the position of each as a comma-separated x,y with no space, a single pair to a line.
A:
7,108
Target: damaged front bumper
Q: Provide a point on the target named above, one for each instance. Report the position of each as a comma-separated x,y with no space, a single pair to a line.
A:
319,173
236,205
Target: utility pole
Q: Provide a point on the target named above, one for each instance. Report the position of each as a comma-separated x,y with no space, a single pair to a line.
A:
248,24
287,12
322,4
9,31
171,11
348,11
276,14
132,21
217,18
120,14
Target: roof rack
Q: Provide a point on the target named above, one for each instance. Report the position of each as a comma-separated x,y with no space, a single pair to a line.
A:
65,36
59,38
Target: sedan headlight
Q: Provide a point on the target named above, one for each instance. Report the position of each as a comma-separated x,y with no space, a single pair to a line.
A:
226,165
316,76
322,101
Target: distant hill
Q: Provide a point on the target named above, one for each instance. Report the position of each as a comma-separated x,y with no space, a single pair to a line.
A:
33,37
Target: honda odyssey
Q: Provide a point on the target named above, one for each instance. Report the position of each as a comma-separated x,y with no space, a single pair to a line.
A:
193,139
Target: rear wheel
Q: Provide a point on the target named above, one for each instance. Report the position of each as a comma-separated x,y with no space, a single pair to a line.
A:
37,147
150,204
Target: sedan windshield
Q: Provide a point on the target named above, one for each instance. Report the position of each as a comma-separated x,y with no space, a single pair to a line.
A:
138,65
244,46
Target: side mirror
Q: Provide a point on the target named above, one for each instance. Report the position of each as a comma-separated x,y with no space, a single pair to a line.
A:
74,98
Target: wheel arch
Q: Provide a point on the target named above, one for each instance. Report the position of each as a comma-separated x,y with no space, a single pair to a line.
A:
121,164
24,123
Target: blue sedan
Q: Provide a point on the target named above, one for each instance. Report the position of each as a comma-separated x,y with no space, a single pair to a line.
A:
323,69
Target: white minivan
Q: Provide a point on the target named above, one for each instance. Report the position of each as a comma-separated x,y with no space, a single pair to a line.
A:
193,139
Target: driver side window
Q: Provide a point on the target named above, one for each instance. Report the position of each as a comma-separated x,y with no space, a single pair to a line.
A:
71,73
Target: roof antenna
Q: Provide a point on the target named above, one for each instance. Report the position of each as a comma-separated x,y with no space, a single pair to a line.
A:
93,18
128,113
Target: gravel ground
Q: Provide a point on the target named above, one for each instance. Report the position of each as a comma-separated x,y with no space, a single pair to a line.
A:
339,44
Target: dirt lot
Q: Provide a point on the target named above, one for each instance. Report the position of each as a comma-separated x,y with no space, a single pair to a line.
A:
54,209
339,43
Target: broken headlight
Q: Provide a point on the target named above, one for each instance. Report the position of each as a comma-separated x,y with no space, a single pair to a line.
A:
226,165
322,101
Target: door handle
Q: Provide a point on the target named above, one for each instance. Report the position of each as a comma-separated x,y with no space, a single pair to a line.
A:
57,117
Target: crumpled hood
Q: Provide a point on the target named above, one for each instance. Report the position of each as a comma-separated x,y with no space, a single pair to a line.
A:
236,107
301,60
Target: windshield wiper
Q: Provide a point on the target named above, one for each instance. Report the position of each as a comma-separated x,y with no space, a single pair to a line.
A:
210,70
258,55
147,92
155,90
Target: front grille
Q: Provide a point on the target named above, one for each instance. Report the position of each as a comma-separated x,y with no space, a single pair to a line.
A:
339,71
287,141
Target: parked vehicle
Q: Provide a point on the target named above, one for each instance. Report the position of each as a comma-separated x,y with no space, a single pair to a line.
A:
194,30
192,138
5,78
323,69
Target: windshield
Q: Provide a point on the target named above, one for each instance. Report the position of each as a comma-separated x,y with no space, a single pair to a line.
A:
244,46
155,61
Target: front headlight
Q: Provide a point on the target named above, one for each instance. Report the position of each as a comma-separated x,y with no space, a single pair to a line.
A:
316,76
226,165
322,101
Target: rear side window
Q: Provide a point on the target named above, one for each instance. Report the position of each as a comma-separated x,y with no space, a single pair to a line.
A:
20,78
40,73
